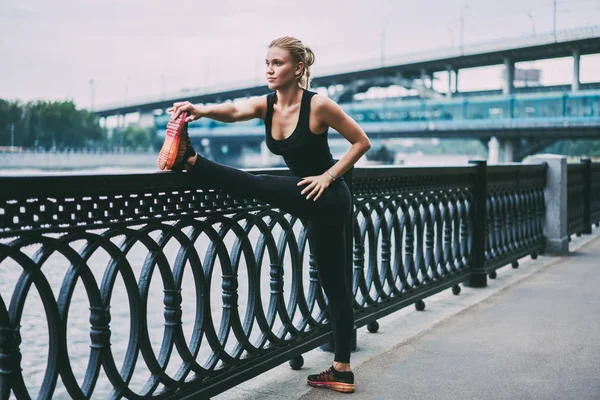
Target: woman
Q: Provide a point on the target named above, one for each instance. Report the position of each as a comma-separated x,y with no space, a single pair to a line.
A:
297,122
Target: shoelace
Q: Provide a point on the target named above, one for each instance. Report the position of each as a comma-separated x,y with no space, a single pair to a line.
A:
325,373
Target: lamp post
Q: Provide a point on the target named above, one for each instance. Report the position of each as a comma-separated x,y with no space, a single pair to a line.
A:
554,20
462,27
92,94
532,24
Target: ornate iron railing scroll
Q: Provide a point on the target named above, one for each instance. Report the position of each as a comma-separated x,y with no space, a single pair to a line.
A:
515,213
412,235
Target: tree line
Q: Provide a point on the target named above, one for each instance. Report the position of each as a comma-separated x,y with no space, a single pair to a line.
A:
61,125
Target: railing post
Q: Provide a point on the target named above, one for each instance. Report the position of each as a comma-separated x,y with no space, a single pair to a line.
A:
478,277
587,195
555,200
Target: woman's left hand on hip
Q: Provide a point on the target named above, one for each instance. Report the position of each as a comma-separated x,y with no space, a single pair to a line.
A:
316,185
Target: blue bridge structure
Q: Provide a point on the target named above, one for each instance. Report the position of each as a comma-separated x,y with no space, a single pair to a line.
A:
530,121
524,120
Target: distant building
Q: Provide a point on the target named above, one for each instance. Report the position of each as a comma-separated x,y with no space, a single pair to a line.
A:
526,77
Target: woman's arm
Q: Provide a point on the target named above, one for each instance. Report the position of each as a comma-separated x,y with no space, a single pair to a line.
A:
329,114
243,110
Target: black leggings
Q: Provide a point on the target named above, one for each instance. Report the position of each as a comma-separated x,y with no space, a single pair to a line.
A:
326,220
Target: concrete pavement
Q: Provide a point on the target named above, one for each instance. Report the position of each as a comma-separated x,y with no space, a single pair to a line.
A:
533,333
537,339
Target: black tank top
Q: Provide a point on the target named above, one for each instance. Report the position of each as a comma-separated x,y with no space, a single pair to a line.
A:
305,153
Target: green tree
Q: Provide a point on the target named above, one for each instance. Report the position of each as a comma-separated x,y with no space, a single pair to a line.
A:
10,118
48,124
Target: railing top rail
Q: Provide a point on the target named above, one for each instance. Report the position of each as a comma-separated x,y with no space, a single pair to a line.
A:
47,186
515,167
78,185
404,171
575,167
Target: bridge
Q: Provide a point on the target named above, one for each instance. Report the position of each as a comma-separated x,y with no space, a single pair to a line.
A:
523,120
149,286
403,71
523,123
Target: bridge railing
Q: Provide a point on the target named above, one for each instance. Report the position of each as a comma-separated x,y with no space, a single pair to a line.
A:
150,286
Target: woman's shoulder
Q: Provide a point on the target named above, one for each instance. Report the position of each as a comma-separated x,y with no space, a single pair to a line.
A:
320,103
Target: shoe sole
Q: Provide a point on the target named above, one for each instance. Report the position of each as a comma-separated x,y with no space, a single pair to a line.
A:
170,151
337,386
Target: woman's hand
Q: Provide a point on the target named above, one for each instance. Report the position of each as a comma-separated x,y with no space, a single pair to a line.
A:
317,185
193,112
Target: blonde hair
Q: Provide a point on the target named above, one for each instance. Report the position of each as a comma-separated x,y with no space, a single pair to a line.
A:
299,53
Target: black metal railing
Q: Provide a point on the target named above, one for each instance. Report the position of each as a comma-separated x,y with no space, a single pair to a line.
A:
595,194
515,213
412,235
189,291
583,196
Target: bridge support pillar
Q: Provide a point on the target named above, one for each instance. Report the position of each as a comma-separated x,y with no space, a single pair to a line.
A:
509,76
456,71
576,59
425,79
555,197
450,91
493,150
508,150
504,150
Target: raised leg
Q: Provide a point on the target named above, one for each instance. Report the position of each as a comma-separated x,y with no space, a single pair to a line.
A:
283,192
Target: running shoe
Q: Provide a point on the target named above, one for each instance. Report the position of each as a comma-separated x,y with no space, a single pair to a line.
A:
334,380
177,141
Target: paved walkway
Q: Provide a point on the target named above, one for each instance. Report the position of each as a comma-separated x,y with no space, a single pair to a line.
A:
536,339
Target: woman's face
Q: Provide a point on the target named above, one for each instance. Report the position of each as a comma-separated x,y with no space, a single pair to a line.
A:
281,69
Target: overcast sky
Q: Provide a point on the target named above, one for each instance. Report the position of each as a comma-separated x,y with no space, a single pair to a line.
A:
132,48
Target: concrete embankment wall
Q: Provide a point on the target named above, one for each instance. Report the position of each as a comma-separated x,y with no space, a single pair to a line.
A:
67,161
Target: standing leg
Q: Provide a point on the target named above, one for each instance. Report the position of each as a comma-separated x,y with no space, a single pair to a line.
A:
327,217
328,246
